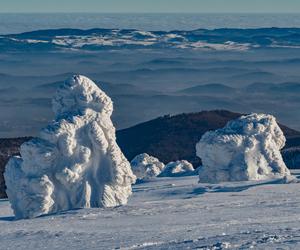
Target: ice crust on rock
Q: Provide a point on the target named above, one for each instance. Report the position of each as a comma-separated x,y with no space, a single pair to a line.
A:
247,148
75,162
146,167
177,168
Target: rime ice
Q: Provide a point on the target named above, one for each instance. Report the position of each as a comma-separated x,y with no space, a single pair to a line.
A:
177,168
247,148
75,162
146,167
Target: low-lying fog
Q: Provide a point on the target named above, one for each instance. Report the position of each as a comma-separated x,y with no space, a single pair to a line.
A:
146,83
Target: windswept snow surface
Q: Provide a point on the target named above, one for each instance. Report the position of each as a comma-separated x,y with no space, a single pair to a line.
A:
146,167
247,148
170,213
75,162
177,168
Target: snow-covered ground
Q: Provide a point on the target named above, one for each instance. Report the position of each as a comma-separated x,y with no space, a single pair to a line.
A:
170,213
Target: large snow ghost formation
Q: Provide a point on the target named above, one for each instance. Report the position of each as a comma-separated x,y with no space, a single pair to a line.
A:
146,167
247,148
177,168
75,162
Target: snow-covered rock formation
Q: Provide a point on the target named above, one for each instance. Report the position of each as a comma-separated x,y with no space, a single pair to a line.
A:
75,162
247,148
177,168
146,167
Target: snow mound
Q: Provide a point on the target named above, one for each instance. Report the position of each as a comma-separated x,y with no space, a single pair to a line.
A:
75,162
178,168
146,167
247,148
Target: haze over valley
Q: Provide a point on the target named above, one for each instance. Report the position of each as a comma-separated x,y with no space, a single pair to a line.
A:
151,73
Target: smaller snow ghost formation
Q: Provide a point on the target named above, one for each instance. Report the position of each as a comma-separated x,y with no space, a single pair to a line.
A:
178,168
247,148
146,167
75,162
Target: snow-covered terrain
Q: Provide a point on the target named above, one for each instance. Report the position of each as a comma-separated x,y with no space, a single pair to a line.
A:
99,39
247,148
170,213
75,162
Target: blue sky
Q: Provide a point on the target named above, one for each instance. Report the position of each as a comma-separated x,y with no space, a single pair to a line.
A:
195,6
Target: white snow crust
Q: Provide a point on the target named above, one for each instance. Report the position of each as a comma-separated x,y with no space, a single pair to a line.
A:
75,162
247,148
177,168
170,213
146,167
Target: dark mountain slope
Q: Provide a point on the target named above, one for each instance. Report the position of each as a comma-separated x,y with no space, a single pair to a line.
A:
169,138
8,148
174,137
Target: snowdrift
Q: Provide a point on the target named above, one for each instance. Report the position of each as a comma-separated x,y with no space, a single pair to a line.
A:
146,167
75,162
247,148
177,168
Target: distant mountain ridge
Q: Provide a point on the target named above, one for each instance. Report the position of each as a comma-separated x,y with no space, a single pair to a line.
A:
168,138
256,87
98,39
214,88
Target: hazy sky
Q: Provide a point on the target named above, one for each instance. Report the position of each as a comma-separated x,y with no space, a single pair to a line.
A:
245,6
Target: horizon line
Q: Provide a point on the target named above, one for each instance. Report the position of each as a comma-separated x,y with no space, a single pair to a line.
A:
121,12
